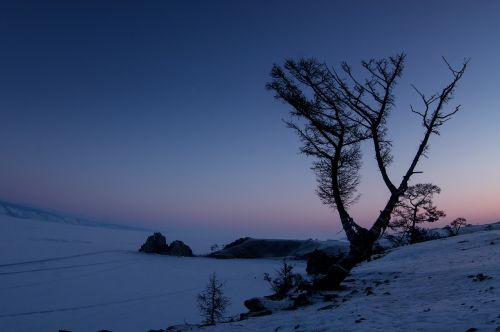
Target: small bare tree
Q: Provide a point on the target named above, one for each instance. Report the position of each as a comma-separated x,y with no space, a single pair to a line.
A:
415,207
212,302
454,227
333,111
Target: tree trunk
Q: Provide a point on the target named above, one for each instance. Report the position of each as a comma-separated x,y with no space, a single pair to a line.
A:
361,245
359,251
413,235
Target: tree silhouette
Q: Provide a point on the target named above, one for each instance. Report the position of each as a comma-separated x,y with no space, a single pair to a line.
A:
413,208
212,302
454,227
284,281
333,111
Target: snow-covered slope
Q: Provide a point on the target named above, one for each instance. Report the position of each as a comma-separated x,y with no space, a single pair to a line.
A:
27,212
450,284
57,276
471,228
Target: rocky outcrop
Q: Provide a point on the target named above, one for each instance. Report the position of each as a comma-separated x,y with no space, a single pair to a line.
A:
157,244
179,248
263,306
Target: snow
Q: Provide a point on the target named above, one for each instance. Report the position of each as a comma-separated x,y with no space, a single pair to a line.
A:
56,276
27,212
423,287
59,276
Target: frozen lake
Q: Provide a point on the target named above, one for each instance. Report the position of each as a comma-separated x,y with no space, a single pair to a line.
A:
56,276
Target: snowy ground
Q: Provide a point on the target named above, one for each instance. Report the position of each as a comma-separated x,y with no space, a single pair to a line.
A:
55,276
423,287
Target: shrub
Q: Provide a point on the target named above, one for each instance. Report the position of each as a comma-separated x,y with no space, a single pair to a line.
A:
284,281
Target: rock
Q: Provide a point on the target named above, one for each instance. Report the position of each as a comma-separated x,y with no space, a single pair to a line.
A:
183,328
179,248
155,244
266,312
320,262
329,297
254,304
479,277
378,249
301,300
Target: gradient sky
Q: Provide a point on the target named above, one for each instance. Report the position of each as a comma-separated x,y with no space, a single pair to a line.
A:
155,112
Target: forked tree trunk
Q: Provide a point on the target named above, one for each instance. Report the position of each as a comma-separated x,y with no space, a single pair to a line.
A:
360,250
361,246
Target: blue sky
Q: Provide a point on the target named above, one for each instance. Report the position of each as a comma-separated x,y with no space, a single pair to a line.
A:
155,113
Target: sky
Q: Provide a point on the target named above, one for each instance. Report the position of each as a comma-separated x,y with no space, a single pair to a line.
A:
155,113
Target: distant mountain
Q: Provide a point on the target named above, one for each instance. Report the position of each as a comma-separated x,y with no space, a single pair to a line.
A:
267,248
300,249
27,212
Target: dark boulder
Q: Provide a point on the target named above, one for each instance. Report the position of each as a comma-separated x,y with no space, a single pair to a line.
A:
301,300
155,244
249,314
320,262
378,249
255,304
183,328
179,248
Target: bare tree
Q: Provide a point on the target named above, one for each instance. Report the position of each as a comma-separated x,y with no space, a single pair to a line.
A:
212,302
415,207
454,227
333,111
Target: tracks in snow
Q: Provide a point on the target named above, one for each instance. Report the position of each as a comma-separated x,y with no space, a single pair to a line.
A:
52,259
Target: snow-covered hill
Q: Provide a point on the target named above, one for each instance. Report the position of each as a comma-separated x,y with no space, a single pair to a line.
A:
27,212
450,284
